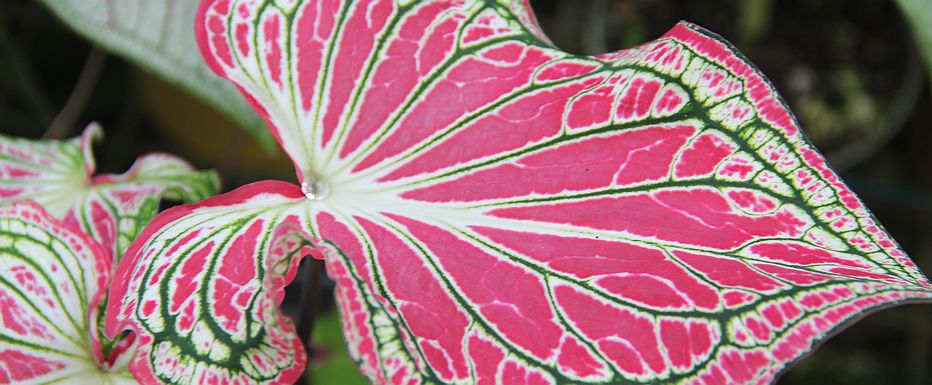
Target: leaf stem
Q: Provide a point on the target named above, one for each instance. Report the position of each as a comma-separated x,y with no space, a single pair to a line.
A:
65,120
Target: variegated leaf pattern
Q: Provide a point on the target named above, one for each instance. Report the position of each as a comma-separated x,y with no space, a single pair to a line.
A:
52,277
502,212
59,175
202,286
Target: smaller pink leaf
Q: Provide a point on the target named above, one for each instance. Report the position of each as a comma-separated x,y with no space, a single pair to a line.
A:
112,208
51,275
202,285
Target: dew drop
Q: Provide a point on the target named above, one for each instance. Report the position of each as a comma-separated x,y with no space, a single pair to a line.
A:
313,188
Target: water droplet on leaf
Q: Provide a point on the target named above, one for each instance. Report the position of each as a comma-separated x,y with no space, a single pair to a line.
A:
313,188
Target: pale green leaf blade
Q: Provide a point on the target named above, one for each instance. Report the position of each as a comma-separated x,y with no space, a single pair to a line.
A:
159,36
919,15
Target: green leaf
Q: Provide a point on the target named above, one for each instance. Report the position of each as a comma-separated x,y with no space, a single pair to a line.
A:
158,36
919,15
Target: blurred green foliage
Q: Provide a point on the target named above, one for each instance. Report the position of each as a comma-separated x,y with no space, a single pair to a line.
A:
919,15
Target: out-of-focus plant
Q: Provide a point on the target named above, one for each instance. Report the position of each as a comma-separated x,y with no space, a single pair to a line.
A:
919,14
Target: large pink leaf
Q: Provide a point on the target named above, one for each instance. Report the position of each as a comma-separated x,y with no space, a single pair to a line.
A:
504,212
59,175
52,278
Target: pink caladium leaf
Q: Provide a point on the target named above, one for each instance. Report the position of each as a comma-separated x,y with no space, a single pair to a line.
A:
59,175
497,211
202,285
52,278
